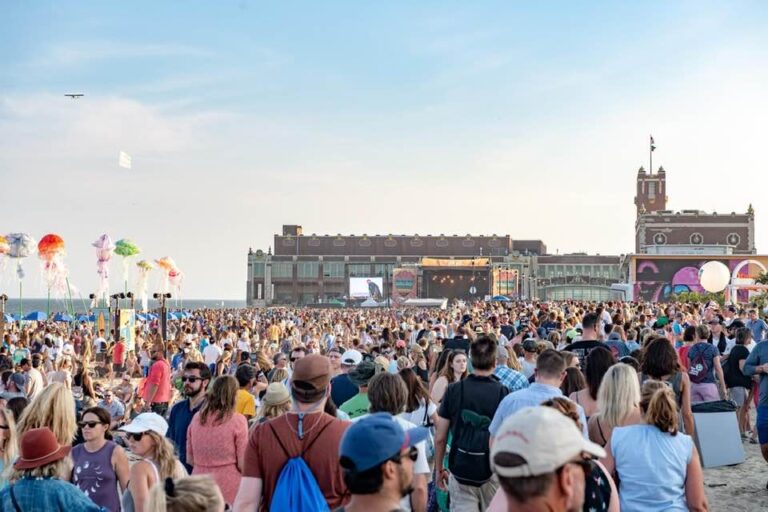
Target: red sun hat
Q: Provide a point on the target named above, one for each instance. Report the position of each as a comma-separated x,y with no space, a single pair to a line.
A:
38,448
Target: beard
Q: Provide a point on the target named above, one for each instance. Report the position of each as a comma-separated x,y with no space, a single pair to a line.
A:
406,484
193,393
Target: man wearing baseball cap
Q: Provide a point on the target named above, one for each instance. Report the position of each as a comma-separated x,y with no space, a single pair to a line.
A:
377,458
541,459
306,431
342,388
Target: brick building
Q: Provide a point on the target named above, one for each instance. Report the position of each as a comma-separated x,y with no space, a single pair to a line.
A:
658,230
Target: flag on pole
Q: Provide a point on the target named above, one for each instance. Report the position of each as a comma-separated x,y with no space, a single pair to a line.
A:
125,160
653,144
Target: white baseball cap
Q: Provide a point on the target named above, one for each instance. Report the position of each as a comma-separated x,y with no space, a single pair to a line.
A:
147,422
351,357
544,437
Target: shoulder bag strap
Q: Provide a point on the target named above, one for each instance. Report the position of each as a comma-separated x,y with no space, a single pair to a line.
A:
306,448
16,506
274,433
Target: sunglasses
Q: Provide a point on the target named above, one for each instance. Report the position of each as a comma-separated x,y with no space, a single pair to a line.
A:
413,454
136,436
4,427
89,424
191,379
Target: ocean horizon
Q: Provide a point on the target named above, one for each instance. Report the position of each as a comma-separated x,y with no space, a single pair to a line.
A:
80,306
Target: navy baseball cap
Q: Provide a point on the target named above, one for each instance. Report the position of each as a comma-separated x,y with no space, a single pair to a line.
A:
375,439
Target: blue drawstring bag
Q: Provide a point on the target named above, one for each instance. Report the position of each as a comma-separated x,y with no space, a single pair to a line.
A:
296,489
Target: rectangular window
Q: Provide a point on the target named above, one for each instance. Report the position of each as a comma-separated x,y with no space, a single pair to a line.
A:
307,269
380,269
258,291
282,269
651,189
359,270
258,269
333,269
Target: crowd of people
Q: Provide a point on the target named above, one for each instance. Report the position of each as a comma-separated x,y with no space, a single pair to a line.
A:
556,406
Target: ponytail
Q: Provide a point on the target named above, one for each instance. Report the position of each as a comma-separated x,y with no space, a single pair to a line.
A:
659,406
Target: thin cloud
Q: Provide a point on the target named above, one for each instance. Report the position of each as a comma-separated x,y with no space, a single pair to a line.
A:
75,53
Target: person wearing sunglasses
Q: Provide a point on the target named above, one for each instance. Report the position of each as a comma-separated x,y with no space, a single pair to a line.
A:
195,379
377,457
146,440
99,463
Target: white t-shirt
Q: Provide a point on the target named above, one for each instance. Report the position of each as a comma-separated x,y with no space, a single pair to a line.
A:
243,346
212,353
36,383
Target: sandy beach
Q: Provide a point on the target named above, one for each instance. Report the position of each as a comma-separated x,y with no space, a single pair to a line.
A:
740,487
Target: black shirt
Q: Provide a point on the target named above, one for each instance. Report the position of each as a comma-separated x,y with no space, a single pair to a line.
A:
582,350
735,377
481,395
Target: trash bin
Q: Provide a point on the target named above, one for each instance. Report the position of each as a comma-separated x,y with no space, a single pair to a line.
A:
717,436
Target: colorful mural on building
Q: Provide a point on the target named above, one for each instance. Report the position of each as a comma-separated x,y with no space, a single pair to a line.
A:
655,278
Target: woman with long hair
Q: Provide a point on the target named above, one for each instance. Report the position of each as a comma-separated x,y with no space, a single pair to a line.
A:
223,363
658,466
455,369
53,407
420,363
146,439
660,362
224,459
419,408
99,463
63,372
598,361
573,382
186,494
39,477
9,444
618,403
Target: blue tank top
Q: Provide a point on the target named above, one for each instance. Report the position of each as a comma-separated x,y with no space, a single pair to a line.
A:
651,466
94,475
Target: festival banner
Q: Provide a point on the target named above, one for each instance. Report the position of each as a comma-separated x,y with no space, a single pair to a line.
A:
504,281
101,321
128,328
404,281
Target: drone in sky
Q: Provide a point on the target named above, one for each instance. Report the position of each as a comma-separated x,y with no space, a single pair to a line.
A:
75,95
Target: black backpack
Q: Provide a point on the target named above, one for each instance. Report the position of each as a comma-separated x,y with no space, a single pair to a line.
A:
470,459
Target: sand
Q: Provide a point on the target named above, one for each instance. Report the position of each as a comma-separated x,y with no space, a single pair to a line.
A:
740,487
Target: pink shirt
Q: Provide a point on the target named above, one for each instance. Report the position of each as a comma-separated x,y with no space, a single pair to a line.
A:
160,375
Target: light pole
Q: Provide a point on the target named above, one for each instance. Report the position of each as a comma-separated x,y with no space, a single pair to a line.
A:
3,300
162,298
116,329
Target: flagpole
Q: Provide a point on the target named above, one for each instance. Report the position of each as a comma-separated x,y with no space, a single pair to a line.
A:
650,156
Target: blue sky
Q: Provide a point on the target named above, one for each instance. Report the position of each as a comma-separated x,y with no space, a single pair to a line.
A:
527,118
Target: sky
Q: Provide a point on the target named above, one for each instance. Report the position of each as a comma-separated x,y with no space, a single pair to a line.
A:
522,118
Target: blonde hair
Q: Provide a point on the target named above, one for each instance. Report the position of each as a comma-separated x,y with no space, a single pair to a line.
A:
11,446
618,394
659,406
190,494
54,408
512,360
273,411
279,375
60,469
163,456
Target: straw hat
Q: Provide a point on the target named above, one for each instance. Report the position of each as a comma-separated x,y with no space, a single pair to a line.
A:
277,394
